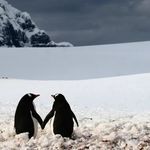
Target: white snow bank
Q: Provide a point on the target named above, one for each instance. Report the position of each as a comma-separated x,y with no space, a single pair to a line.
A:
64,44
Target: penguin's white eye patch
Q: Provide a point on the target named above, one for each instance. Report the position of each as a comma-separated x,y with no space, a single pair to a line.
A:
29,95
56,94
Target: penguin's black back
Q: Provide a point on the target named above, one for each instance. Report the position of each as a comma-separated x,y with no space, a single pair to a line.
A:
63,121
23,119
62,117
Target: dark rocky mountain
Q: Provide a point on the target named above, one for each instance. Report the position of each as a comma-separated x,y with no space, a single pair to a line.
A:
18,30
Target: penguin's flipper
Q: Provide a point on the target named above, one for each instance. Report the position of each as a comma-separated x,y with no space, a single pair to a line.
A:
37,116
49,116
73,115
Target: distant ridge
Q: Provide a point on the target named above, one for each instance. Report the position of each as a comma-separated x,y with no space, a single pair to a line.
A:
18,30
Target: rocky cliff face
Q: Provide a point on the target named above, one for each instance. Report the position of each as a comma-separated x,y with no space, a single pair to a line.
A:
18,30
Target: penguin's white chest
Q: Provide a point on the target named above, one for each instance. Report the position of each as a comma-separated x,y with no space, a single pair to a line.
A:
35,124
52,123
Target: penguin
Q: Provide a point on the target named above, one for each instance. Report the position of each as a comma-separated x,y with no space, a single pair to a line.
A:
26,117
62,117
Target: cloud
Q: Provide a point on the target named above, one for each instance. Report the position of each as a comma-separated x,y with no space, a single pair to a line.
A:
92,21
143,7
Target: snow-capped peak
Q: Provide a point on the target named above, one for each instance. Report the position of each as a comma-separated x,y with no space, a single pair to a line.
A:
18,30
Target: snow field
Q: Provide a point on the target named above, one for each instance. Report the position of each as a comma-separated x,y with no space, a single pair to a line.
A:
75,63
118,107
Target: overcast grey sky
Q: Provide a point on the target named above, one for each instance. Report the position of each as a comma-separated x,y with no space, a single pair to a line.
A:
90,22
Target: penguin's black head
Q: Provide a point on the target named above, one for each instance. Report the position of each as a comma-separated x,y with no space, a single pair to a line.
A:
58,97
30,96
33,96
60,102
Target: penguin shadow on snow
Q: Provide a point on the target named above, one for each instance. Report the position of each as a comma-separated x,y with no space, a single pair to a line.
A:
62,117
26,118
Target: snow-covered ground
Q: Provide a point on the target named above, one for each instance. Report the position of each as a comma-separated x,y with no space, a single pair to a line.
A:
118,106
75,63
113,112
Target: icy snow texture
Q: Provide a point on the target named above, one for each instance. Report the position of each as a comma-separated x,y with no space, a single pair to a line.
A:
132,132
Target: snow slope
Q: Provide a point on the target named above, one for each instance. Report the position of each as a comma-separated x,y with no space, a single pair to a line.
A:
118,106
75,63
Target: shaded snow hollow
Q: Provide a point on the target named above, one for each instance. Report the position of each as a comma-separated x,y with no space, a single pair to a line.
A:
118,106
